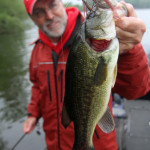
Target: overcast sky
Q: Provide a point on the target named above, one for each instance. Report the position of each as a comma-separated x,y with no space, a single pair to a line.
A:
73,1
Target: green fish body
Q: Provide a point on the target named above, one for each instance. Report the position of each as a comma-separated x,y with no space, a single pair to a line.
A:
90,75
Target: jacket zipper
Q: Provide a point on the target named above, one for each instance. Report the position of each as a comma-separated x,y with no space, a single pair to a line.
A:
55,60
57,111
49,86
61,88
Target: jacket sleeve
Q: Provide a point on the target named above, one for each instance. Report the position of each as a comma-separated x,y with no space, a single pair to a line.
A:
34,105
133,80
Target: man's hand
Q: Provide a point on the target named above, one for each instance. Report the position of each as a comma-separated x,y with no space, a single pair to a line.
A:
129,30
29,124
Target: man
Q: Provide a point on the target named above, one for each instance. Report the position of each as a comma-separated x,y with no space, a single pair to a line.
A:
57,27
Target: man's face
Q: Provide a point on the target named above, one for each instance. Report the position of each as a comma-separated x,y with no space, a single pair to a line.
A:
50,16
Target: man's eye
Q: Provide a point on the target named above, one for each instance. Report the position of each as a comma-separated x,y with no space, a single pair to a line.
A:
53,5
39,12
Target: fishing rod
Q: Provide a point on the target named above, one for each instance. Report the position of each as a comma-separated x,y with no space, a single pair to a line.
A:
23,136
20,139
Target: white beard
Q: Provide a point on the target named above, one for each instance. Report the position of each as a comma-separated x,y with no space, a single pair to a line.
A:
55,33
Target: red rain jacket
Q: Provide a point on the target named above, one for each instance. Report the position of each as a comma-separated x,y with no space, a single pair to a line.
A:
47,73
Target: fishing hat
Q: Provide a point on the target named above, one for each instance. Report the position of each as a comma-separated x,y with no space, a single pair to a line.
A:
29,4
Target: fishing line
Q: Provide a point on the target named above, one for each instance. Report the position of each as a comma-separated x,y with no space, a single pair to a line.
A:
62,49
20,139
66,5
23,136
84,8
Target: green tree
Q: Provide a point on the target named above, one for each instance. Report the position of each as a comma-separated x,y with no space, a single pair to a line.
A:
80,7
11,15
135,3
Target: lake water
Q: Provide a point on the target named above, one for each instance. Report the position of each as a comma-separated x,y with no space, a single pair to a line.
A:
15,86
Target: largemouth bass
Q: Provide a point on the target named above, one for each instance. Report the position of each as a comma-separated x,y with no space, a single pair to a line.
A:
90,75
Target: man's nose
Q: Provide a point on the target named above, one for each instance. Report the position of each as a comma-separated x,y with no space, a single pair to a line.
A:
49,14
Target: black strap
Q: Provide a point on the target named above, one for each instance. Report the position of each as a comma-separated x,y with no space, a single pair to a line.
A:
75,31
55,59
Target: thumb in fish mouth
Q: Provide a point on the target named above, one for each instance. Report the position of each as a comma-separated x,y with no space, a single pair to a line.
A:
65,119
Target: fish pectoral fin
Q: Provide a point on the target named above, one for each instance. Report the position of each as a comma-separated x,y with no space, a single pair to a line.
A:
106,123
114,76
65,119
101,72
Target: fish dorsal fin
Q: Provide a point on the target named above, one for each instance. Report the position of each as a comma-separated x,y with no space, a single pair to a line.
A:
101,72
65,119
106,123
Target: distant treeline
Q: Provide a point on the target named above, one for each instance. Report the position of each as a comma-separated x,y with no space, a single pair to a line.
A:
80,7
12,12
139,3
135,3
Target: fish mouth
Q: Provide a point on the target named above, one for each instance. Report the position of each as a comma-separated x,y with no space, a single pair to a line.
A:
98,45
